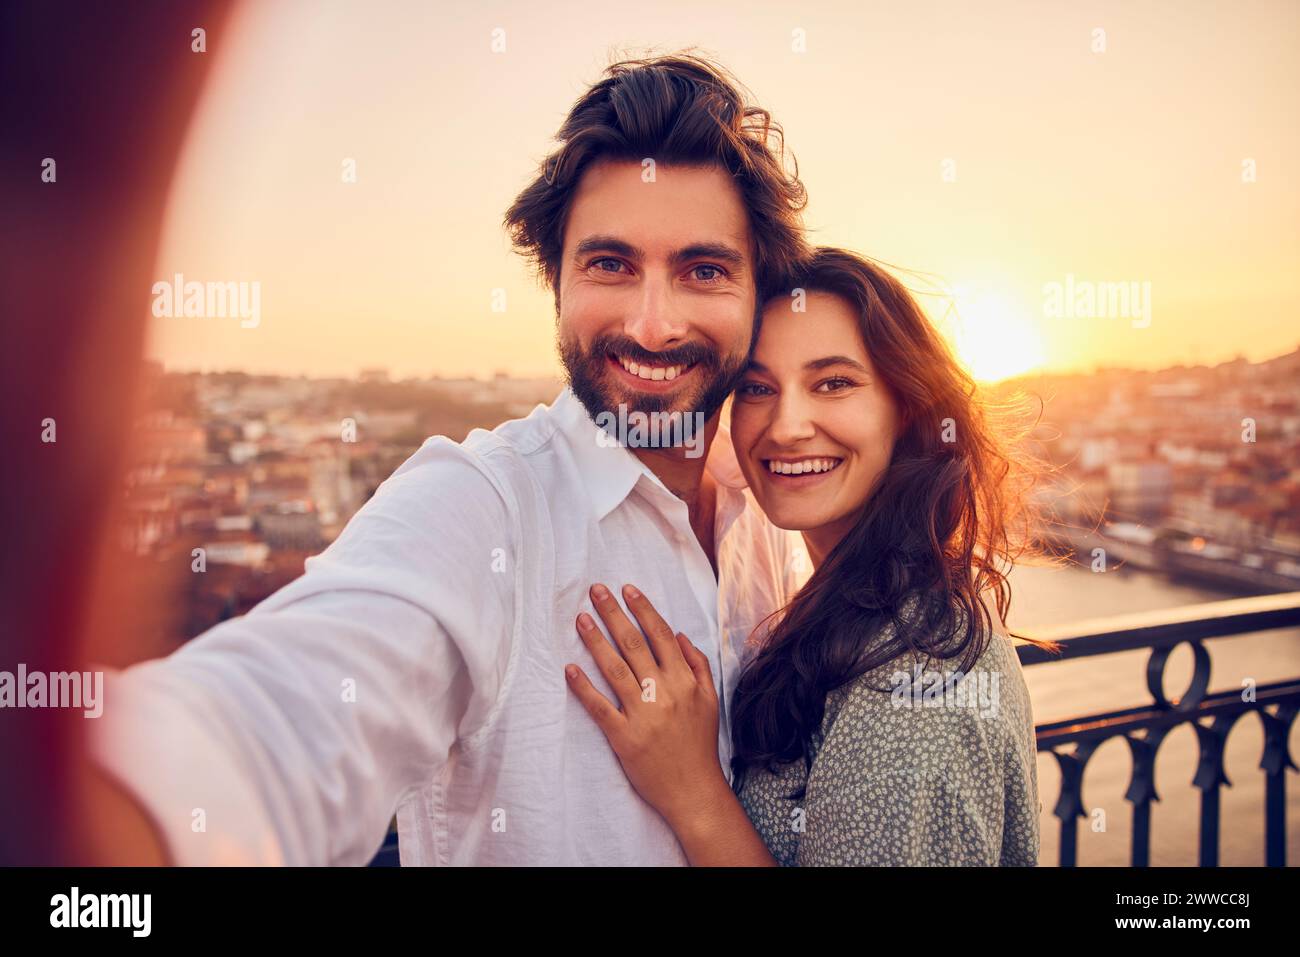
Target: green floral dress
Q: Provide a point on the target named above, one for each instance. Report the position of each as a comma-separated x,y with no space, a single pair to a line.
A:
934,770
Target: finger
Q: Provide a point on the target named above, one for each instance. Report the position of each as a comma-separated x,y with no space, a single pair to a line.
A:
609,661
608,718
662,641
698,662
626,635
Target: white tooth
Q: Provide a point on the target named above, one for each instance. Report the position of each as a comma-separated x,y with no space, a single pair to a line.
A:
630,366
817,465
671,373
658,374
644,372
798,468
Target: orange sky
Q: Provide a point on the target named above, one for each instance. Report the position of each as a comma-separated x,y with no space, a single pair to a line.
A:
984,145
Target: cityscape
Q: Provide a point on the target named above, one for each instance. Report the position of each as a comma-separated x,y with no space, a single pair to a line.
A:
1192,472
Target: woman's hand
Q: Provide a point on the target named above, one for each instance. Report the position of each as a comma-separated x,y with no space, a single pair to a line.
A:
666,734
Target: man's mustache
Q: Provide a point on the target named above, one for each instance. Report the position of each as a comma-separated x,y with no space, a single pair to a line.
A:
628,348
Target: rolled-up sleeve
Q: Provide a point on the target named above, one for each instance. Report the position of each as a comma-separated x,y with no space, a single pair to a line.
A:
291,735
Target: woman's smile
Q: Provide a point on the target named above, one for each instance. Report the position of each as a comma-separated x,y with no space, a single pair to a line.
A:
813,424
796,473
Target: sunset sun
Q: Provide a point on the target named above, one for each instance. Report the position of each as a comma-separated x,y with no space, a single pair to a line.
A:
994,337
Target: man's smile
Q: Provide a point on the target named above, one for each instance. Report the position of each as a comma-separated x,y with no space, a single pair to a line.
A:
652,377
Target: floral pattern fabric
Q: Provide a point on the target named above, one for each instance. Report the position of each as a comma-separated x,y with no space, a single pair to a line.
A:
936,769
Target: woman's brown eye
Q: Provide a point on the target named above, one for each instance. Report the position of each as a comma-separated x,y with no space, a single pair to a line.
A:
837,384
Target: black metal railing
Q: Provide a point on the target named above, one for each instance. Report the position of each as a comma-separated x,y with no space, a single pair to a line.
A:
1144,728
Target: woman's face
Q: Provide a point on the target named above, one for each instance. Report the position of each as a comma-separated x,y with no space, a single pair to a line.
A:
812,422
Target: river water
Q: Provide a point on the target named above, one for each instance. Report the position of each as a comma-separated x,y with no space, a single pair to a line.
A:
1048,597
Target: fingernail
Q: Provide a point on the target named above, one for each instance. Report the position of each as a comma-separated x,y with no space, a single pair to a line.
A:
631,592
600,591
570,672
585,622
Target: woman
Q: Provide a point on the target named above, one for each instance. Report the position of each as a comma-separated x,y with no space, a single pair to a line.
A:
884,719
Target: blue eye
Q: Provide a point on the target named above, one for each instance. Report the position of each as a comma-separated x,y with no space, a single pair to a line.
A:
606,259
709,266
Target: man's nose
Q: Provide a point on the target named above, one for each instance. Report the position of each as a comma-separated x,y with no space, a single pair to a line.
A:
656,321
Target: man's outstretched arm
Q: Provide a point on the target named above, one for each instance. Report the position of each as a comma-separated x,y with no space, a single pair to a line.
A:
290,735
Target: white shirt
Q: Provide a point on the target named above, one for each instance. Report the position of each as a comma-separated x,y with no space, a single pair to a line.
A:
417,666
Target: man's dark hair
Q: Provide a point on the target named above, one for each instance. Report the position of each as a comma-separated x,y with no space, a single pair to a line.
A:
678,109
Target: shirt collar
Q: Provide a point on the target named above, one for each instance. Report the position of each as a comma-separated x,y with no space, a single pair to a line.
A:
611,471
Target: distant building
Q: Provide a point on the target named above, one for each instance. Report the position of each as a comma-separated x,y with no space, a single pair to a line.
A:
246,553
1140,489
290,525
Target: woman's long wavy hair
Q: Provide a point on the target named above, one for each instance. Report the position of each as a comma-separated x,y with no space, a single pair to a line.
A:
944,523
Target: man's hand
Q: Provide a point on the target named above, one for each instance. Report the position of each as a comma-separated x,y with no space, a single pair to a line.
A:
113,830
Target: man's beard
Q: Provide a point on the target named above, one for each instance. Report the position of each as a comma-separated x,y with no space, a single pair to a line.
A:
592,380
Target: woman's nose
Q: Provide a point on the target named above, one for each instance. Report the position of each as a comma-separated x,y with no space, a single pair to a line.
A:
792,421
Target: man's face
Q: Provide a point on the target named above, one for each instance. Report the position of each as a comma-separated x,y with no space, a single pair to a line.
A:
657,292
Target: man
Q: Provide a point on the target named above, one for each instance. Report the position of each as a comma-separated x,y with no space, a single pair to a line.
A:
417,665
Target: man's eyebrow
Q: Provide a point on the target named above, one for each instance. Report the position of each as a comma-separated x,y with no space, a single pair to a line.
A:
705,250
721,251
816,364
608,244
